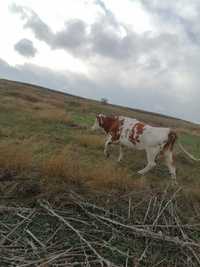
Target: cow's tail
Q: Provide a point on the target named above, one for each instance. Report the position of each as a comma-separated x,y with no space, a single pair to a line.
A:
187,153
172,137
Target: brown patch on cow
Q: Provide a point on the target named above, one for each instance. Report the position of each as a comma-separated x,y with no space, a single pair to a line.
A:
116,129
106,122
112,125
172,136
137,130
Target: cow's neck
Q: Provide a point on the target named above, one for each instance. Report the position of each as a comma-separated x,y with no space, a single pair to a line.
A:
107,123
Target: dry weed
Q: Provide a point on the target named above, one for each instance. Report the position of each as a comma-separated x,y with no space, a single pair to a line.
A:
66,168
15,157
61,169
108,176
54,115
89,140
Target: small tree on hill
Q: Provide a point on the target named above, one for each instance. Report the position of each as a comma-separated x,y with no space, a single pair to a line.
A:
104,100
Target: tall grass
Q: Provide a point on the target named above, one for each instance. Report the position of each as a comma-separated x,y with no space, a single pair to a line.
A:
107,176
54,115
15,157
89,140
62,170
65,168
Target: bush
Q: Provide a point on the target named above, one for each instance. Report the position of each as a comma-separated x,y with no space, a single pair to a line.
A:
15,157
104,100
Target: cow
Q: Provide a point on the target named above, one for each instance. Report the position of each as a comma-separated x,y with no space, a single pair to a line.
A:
135,134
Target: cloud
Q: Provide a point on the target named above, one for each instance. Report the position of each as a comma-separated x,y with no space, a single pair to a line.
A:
77,37
32,21
108,13
105,38
72,38
155,98
176,16
156,70
25,48
43,76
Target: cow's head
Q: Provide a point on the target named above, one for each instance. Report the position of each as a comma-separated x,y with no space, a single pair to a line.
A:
98,122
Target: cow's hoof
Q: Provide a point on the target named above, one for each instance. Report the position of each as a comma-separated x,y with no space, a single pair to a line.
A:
141,172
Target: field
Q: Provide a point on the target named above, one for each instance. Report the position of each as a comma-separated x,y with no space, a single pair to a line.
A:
48,151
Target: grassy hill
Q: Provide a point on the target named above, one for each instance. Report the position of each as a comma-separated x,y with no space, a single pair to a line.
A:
45,138
48,151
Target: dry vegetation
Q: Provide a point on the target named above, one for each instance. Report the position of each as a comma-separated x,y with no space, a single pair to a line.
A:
15,157
49,133
125,230
48,150
90,140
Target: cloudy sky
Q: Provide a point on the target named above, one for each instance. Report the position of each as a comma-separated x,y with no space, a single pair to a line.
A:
139,53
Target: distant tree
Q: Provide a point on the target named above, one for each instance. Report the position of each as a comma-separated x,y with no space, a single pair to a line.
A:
104,100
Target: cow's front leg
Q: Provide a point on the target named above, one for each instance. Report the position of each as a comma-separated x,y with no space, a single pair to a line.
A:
120,153
151,156
149,166
107,143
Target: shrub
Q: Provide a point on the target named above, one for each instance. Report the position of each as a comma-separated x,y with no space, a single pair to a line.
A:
89,140
104,100
15,157
62,169
54,115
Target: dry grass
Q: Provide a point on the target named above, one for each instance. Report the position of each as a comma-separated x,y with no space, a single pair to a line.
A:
62,169
182,130
27,96
16,157
84,107
9,102
56,101
90,140
54,115
83,163
65,168
107,176
42,106
192,192
61,164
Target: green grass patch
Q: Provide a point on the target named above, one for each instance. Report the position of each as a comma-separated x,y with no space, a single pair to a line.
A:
192,143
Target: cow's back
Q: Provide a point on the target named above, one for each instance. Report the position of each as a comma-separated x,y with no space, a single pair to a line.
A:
136,134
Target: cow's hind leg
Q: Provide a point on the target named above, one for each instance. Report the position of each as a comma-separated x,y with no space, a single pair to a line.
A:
151,156
168,154
107,143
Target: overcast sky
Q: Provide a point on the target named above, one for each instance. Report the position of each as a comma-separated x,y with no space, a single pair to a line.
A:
140,53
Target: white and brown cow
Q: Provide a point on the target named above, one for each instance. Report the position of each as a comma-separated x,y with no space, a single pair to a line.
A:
135,134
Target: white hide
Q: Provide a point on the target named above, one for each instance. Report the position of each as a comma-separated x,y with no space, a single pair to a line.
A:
151,136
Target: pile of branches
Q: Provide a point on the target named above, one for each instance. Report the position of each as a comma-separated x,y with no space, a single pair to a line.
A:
127,232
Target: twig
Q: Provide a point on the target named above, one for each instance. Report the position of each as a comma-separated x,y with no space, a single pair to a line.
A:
108,263
35,238
149,234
